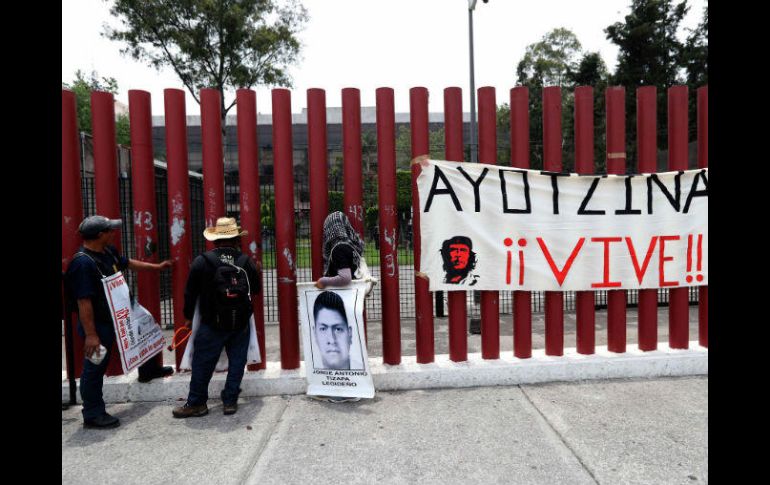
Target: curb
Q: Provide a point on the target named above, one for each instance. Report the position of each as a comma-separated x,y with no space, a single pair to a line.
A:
443,373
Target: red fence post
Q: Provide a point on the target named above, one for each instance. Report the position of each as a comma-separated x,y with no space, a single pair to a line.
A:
453,150
71,207
522,300
647,149
145,209
178,204
285,242
584,164
351,154
423,307
106,159
106,175
386,172
353,198
490,300
248,169
616,164
319,174
703,162
552,162
213,164
679,330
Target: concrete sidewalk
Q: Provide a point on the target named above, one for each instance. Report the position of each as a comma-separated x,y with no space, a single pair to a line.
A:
607,432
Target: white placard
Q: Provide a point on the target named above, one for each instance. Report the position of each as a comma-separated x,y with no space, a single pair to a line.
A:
336,360
139,338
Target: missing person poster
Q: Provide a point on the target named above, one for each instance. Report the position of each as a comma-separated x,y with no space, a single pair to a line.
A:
139,337
334,341
488,227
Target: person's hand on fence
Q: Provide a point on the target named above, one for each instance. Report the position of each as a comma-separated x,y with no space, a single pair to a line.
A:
319,285
91,344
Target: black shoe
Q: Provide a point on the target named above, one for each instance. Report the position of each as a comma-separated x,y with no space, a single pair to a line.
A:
159,372
188,411
230,408
105,421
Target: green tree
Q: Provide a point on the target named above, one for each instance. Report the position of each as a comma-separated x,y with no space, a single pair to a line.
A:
695,60
82,87
591,71
650,54
220,44
550,62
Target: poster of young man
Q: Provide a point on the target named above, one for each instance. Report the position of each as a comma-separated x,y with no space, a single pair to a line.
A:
336,360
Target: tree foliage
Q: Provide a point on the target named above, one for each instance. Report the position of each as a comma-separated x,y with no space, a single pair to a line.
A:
82,87
558,60
649,51
695,60
220,44
696,53
650,54
550,61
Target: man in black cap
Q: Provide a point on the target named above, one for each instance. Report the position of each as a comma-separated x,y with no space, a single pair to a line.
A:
95,259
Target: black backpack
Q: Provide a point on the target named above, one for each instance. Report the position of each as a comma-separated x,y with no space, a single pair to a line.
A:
232,293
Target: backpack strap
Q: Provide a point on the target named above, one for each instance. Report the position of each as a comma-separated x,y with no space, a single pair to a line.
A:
114,256
211,258
81,253
241,261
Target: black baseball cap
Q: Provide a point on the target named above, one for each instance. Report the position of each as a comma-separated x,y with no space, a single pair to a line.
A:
93,225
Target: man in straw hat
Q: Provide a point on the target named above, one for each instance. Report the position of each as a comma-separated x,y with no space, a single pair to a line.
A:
220,284
95,259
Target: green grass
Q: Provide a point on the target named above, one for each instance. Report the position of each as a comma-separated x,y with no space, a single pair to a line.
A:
304,256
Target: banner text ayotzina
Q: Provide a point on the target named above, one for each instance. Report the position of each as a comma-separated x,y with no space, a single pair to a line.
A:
487,227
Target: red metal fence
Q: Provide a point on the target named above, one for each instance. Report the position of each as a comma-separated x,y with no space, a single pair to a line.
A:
178,231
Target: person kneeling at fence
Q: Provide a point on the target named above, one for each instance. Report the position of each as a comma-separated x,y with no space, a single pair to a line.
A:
343,257
96,259
218,310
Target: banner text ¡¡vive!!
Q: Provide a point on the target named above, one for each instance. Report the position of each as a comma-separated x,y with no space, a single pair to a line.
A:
500,228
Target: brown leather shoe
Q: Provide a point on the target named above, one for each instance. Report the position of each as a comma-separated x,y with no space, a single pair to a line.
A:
230,408
188,411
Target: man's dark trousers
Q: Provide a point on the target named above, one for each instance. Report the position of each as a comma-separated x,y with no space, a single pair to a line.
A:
92,378
208,346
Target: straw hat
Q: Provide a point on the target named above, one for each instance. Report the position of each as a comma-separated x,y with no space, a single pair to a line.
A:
226,228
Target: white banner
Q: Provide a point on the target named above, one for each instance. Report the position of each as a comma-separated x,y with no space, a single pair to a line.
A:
139,337
488,227
334,341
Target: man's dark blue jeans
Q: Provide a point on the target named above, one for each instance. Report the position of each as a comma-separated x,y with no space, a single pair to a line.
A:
208,346
92,378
